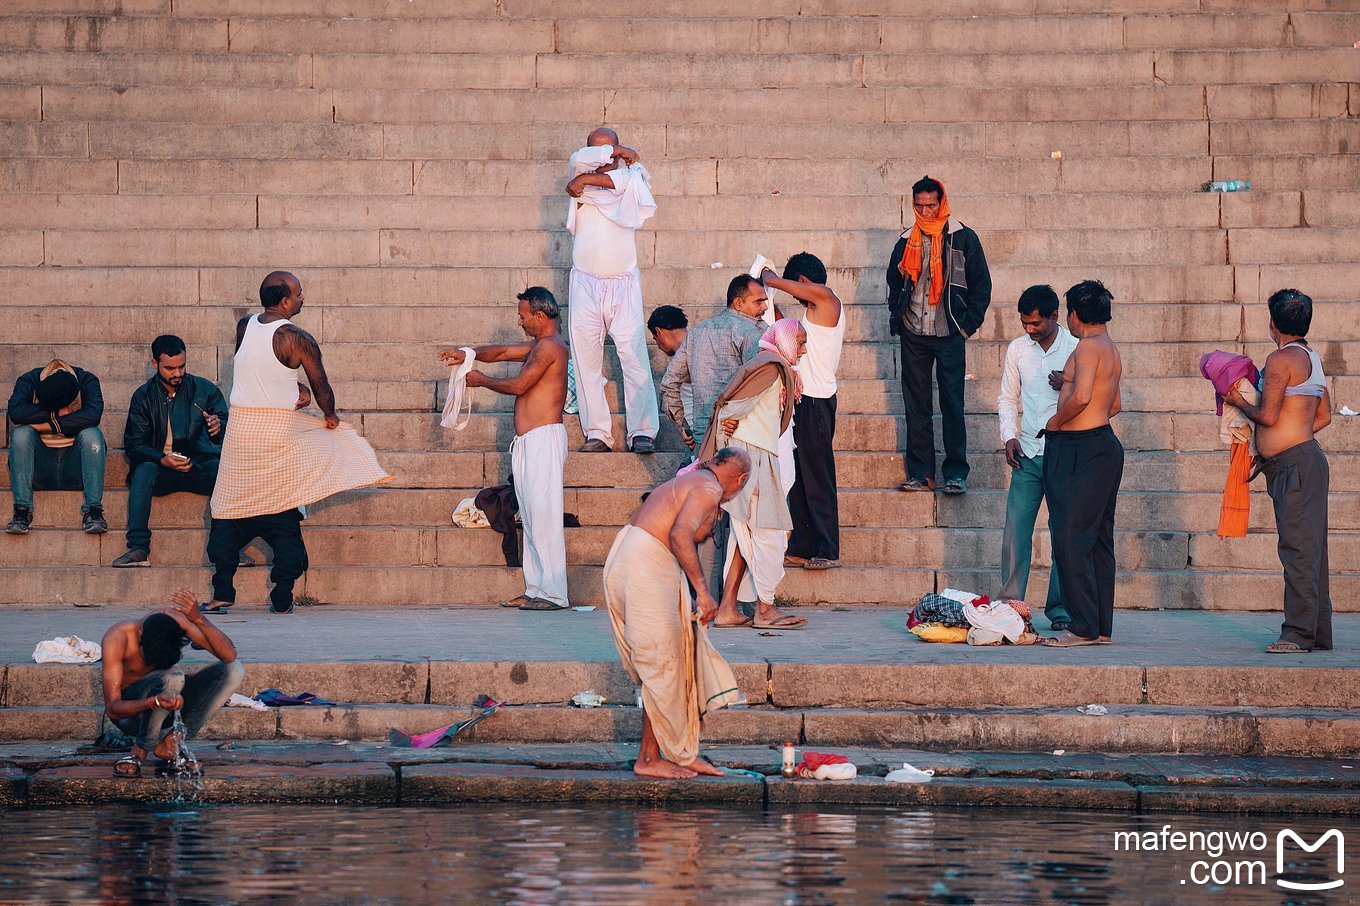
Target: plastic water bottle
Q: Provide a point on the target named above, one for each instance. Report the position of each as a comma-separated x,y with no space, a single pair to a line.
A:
1229,185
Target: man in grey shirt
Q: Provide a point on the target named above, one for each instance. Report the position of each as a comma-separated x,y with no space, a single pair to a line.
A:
712,352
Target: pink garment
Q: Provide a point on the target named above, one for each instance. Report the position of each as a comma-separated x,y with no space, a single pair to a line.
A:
1224,370
781,338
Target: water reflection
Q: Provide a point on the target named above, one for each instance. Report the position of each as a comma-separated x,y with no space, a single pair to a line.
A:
527,854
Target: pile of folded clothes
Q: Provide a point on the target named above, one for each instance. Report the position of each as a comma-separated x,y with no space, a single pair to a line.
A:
960,616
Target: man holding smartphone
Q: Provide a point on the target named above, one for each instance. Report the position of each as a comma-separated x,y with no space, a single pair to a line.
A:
172,441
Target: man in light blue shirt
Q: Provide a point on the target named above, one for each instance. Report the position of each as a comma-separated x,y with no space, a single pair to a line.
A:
1030,380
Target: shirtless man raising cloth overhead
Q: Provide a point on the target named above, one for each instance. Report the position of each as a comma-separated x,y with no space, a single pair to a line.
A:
682,675
1083,466
539,451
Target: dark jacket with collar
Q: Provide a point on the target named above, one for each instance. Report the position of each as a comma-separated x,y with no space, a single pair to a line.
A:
965,274
24,409
144,435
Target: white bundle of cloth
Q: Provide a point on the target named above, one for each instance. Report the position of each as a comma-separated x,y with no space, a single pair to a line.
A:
995,617
459,397
70,650
467,515
1234,427
629,204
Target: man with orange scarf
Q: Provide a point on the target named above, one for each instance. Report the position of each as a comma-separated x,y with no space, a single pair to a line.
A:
938,292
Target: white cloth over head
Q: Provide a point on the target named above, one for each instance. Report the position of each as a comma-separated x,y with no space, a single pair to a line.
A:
459,393
628,204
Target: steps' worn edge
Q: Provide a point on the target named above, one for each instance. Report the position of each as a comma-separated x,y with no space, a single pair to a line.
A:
374,782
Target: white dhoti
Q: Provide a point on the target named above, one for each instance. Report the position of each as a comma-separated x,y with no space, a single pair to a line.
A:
536,462
661,645
611,306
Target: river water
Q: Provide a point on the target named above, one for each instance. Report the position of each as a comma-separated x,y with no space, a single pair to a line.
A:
548,853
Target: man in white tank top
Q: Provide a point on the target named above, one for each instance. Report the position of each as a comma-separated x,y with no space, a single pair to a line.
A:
1295,405
275,460
610,199
816,539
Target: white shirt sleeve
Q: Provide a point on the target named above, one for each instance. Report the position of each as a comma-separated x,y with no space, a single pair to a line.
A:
1008,401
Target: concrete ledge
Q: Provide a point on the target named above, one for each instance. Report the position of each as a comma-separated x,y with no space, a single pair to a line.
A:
968,684
496,783
352,783
1249,799
13,787
1089,794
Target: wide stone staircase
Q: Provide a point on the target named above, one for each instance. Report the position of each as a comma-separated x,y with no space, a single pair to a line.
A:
405,159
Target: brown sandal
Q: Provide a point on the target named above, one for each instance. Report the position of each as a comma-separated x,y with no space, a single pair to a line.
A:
1281,646
1069,639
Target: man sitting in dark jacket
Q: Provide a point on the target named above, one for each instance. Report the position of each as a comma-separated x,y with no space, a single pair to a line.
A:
55,443
938,292
172,441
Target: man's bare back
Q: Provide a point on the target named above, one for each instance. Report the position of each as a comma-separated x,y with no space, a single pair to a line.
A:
1090,392
659,512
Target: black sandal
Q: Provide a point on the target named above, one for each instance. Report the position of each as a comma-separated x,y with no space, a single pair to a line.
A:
220,607
128,759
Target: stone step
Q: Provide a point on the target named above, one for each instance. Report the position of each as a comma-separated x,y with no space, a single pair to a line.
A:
378,586
1147,470
383,546
1311,732
778,683
695,285
493,431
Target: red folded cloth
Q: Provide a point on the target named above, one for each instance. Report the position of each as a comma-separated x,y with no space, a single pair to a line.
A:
814,760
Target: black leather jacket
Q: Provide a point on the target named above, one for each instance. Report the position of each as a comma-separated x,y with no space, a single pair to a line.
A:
965,273
144,435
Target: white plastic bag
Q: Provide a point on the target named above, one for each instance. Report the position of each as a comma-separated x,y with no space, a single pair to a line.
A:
909,774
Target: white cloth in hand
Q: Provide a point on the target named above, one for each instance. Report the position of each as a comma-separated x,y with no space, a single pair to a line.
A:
459,393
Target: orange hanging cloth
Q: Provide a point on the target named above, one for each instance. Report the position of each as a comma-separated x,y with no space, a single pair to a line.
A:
910,266
1235,511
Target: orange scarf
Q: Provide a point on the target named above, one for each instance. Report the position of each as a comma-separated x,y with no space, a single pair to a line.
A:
911,257
1235,511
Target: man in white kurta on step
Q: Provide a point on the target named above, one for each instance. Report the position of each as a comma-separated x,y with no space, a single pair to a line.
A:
610,199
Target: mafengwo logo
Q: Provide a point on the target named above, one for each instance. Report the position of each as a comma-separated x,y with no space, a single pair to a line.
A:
1286,835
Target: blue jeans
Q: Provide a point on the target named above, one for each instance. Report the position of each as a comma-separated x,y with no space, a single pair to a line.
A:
32,464
205,692
1017,545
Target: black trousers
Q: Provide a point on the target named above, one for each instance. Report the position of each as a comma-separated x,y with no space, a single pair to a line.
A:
1298,480
812,499
946,355
1082,472
281,531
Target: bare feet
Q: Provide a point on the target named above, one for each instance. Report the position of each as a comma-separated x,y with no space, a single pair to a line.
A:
168,747
699,766
662,769
730,615
770,617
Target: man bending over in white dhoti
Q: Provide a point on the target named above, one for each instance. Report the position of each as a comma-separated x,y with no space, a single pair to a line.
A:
276,460
539,450
662,641
611,198
752,413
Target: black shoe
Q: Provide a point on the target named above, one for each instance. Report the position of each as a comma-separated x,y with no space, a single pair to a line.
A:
92,520
287,608
135,557
23,518
643,445
1060,625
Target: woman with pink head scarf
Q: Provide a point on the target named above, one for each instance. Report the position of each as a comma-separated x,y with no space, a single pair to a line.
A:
751,413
